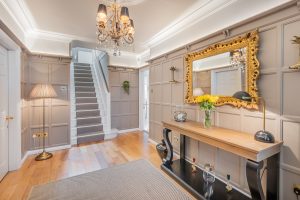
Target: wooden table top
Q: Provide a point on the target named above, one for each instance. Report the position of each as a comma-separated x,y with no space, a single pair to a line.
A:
236,142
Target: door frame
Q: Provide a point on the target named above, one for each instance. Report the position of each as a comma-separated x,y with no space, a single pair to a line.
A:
141,96
14,99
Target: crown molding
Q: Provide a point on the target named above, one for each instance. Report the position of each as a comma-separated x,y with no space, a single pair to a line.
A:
54,36
198,12
125,2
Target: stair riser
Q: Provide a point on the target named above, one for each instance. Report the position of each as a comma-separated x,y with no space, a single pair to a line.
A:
89,80
88,130
92,94
87,107
92,113
85,122
78,71
87,139
86,100
84,89
78,84
83,75
82,68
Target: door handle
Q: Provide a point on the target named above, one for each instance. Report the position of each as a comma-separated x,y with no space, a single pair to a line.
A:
9,118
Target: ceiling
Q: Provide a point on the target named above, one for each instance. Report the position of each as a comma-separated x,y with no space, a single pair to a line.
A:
48,26
77,17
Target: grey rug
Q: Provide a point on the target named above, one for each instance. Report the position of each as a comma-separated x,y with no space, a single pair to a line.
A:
137,180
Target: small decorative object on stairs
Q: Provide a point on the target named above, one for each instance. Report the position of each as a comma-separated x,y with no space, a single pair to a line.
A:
126,86
207,103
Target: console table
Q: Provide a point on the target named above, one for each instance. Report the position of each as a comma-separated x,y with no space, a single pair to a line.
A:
239,143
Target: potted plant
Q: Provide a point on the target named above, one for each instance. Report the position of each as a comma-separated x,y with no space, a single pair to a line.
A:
126,86
207,104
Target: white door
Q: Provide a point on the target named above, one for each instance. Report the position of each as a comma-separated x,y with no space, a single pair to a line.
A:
145,100
3,112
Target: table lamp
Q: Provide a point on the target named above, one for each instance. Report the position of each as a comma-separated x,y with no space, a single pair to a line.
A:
262,135
43,91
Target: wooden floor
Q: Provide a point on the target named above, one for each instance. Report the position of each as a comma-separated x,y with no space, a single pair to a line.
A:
77,160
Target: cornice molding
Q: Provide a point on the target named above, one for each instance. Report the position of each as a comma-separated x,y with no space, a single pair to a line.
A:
197,13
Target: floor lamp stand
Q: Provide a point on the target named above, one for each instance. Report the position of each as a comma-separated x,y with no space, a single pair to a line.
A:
44,155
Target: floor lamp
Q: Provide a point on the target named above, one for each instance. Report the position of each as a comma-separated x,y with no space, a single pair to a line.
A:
43,91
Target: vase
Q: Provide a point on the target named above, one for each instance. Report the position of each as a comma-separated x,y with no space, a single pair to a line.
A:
207,119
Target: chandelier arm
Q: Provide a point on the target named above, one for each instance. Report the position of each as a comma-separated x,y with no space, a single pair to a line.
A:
128,39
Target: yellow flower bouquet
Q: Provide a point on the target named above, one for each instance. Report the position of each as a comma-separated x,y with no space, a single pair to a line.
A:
207,103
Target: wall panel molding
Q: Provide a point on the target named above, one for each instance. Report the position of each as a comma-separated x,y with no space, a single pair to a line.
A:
277,84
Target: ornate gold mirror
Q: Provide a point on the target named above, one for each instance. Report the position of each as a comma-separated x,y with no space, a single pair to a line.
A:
224,69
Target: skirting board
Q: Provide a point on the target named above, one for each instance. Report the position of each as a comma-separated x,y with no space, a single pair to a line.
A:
37,151
129,130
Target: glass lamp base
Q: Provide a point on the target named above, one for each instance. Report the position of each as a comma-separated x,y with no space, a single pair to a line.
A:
43,156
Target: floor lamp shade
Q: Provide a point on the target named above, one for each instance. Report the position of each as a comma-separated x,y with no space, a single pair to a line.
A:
43,91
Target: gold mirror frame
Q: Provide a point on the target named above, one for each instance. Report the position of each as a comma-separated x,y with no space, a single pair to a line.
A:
250,40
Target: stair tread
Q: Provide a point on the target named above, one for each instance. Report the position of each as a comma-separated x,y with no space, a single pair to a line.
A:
88,110
87,103
90,125
90,134
86,97
91,117
85,92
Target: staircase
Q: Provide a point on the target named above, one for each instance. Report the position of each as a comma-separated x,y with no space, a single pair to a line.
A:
88,116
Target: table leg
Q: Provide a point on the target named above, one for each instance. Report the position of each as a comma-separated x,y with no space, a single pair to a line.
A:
169,158
273,177
254,181
182,146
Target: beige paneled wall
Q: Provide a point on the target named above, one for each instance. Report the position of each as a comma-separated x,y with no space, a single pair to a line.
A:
277,84
124,107
25,104
44,69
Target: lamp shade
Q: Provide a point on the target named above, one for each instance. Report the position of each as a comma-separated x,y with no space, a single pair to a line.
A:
102,13
43,91
198,92
242,95
124,14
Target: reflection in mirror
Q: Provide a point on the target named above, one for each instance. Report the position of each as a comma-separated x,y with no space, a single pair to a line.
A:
221,74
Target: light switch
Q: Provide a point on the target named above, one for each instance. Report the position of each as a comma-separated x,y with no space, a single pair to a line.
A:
63,88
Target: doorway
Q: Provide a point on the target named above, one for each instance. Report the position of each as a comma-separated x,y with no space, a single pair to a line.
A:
3,112
144,99
10,105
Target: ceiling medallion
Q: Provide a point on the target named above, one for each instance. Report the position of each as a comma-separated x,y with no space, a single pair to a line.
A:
114,27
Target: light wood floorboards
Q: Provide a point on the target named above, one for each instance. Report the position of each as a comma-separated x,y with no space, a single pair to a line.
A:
77,160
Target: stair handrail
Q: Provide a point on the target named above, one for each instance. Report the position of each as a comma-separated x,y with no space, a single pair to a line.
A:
103,68
102,87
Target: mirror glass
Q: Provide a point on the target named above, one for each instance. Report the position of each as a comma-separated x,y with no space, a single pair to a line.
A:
223,69
222,74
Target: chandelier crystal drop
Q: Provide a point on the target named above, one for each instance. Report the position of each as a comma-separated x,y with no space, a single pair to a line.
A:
115,29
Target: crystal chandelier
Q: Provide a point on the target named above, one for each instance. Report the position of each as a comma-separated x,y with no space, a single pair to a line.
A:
114,27
238,58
